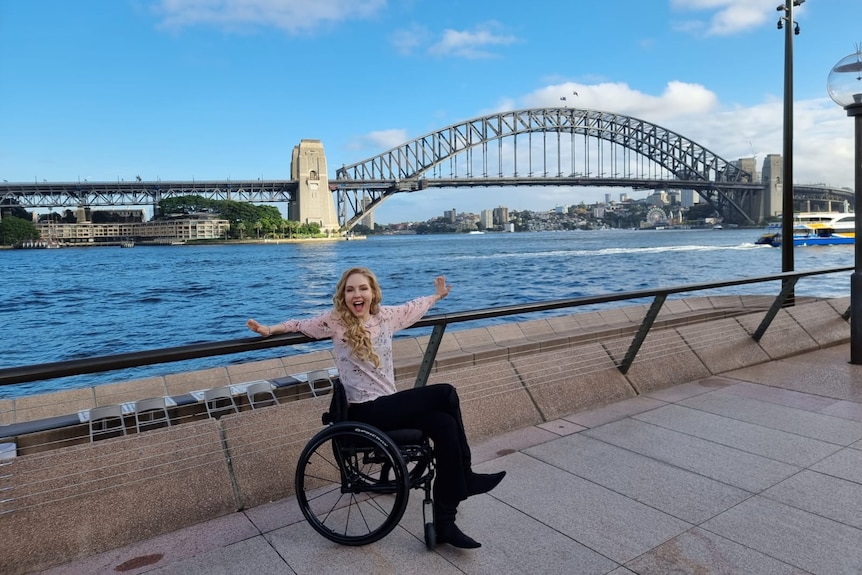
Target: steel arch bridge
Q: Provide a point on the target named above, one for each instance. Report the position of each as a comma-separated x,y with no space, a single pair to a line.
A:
546,146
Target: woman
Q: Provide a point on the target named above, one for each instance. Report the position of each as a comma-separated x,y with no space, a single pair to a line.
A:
361,330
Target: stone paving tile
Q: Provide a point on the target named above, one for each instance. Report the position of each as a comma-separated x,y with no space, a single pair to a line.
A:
780,396
614,411
254,555
606,522
561,427
513,542
685,390
789,419
845,464
308,553
726,464
822,494
167,549
683,494
845,410
699,551
756,439
810,542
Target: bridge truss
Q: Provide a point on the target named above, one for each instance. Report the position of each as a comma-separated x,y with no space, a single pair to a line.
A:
141,193
546,146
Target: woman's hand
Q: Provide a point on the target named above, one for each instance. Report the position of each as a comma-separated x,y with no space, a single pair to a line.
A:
441,290
254,326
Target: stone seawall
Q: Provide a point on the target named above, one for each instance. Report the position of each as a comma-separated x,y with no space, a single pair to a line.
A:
84,498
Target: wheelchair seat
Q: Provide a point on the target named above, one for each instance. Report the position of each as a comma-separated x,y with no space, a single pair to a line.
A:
337,413
353,480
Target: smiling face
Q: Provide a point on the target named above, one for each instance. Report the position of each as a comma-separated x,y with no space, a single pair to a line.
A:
359,295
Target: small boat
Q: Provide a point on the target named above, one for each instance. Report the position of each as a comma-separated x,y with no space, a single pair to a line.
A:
127,244
814,229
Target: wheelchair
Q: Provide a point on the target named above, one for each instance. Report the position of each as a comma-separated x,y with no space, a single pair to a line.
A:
353,481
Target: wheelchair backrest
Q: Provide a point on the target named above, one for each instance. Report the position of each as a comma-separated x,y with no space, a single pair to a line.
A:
337,405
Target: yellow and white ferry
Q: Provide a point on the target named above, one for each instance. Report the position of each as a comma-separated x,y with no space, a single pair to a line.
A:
815,229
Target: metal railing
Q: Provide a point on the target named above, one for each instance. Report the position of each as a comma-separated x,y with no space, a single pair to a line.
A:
439,323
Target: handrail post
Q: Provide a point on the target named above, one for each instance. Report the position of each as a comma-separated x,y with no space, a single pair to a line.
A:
430,354
643,330
785,295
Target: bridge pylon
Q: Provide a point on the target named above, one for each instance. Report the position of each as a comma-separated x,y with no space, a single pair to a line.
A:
313,201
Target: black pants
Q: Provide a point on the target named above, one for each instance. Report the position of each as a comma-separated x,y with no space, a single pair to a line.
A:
436,411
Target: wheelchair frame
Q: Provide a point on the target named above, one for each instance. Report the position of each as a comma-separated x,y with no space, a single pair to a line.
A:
353,480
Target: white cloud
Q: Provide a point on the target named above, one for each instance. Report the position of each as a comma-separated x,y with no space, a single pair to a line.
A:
294,16
678,99
472,44
728,16
410,39
380,140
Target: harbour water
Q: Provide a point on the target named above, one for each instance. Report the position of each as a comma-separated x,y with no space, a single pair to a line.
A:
81,302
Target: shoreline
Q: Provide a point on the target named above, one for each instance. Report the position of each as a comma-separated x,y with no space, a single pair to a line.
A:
213,242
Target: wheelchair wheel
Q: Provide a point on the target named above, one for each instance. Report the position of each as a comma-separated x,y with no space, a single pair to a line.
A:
341,490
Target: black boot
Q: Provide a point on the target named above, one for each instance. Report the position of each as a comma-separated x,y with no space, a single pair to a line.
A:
483,482
447,531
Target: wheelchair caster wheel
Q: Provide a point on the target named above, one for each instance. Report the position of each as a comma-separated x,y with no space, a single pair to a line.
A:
430,536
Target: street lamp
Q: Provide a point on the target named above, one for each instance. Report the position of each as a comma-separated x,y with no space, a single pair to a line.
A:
844,85
791,29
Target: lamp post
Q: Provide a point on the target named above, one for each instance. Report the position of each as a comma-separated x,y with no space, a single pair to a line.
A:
844,85
791,29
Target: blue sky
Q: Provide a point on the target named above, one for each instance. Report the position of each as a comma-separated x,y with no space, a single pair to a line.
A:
216,89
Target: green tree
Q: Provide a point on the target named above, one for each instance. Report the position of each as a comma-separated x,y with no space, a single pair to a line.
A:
14,230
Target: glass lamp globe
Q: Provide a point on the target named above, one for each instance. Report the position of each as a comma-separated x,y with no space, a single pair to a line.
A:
844,83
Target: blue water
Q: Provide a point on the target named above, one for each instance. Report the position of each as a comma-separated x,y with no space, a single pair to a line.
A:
80,302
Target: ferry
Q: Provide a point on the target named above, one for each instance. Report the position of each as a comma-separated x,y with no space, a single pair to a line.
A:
814,229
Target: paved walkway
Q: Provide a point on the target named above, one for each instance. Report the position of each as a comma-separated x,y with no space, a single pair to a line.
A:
757,471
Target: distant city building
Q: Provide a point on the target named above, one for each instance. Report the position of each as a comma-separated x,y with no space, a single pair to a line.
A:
501,216
560,210
749,165
450,215
624,197
657,198
608,198
487,219
688,198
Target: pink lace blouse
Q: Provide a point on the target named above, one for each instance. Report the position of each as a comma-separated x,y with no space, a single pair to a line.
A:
362,381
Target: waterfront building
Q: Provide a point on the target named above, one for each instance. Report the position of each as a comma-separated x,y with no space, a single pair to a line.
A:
183,228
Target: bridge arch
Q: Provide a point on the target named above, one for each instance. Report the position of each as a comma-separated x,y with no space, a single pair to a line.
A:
487,150
680,155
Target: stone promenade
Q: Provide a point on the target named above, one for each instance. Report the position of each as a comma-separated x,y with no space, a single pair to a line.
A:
754,470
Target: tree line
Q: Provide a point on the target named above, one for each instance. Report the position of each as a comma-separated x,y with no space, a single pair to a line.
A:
246,219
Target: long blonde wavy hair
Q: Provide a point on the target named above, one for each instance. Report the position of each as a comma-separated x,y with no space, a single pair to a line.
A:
358,338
